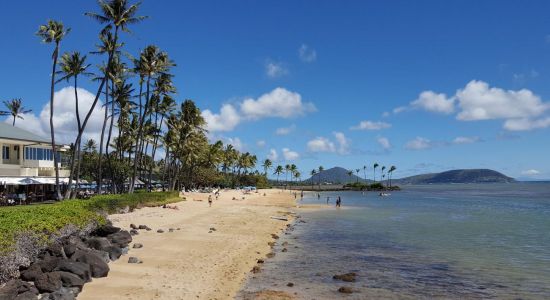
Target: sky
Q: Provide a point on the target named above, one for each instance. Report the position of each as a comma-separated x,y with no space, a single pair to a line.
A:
426,86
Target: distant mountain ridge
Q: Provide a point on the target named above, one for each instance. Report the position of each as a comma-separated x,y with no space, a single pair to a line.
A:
339,175
457,176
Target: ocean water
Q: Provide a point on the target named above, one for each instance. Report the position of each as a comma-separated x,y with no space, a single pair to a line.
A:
424,242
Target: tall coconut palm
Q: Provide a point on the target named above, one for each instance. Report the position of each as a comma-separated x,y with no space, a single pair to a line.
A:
72,65
383,175
365,173
53,32
374,171
267,165
90,146
278,171
320,171
287,169
357,172
392,169
312,173
14,108
350,173
293,169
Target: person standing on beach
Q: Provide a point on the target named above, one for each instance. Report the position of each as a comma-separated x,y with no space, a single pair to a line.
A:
318,196
328,199
338,202
302,195
210,200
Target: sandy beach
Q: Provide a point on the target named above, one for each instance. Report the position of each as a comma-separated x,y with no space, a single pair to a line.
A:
191,263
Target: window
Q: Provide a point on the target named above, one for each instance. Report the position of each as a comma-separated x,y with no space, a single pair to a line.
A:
5,152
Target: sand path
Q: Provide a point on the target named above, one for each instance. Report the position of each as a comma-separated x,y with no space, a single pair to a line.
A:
192,263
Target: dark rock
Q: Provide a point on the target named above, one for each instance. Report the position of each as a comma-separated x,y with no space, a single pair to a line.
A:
171,230
137,246
106,230
48,264
270,255
104,255
114,252
80,269
133,226
16,287
178,228
284,250
212,229
56,250
345,290
134,232
25,296
31,273
98,243
255,270
48,282
284,244
273,235
98,266
261,261
148,229
71,244
160,231
134,260
142,227
290,284
121,238
70,279
348,277
271,244
63,294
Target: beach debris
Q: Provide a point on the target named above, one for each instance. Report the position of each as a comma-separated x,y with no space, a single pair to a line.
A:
345,290
178,228
134,260
260,261
171,230
279,218
160,231
290,284
255,269
284,250
137,246
134,232
347,277
273,235
133,226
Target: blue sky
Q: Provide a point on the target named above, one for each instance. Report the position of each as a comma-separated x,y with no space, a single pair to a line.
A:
319,68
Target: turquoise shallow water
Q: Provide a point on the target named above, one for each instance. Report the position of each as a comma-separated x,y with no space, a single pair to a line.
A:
437,241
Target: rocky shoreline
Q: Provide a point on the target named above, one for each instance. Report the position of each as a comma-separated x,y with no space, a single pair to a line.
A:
61,270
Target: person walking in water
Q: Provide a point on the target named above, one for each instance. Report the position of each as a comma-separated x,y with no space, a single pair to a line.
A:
318,196
210,200
338,202
328,199
302,195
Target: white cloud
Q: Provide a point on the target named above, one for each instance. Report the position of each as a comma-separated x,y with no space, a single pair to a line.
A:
480,102
370,125
290,155
275,69
65,117
321,144
226,120
307,54
260,143
526,124
465,140
530,172
343,142
399,109
434,102
285,130
236,142
279,102
384,142
419,143
273,155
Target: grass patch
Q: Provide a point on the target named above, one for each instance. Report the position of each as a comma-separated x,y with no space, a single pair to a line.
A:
43,220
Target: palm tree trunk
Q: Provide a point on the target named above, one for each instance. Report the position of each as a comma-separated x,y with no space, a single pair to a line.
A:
99,172
69,193
52,130
137,157
113,186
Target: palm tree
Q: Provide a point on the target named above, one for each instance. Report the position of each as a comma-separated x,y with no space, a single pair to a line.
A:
365,173
53,32
357,172
374,171
287,169
350,173
293,169
312,173
15,109
321,169
392,168
267,165
71,66
90,146
383,175
278,171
